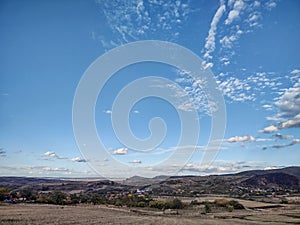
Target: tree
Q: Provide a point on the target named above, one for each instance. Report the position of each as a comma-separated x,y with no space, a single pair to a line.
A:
97,199
4,192
175,204
57,197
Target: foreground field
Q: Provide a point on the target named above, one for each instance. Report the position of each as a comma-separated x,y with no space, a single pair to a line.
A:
22,214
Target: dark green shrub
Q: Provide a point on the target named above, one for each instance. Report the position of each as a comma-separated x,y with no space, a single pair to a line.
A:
195,202
118,203
57,197
158,204
174,204
236,204
230,208
207,207
141,204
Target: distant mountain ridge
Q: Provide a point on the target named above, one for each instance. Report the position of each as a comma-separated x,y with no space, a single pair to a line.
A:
265,181
292,170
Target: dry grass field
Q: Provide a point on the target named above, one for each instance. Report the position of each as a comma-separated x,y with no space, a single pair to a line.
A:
21,214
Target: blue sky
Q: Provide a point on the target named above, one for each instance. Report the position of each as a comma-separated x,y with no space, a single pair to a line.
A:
252,48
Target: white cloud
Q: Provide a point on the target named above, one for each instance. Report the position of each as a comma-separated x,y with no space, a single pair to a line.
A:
269,129
208,169
249,14
107,111
120,151
198,100
207,65
241,139
289,107
230,2
210,40
267,107
295,71
227,41
78,159
53,155
55,169
137,20
293,122
222,167
235,12
264,139
250,88
136,161
270,168
253,19
236,90
256,4
270,5
296,141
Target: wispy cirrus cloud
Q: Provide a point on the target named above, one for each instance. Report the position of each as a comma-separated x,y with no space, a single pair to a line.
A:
241,18
249,88
137,19
210,40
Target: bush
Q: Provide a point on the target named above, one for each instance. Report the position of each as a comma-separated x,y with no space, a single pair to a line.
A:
284,201
157,204
118,203
195,202
175,204
230,208
236,204
228,204
141,204
97,199
169,204
207,207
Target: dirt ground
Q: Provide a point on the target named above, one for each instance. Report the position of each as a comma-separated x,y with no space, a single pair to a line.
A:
21,214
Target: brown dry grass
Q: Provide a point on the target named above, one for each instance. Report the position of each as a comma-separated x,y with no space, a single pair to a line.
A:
22,214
